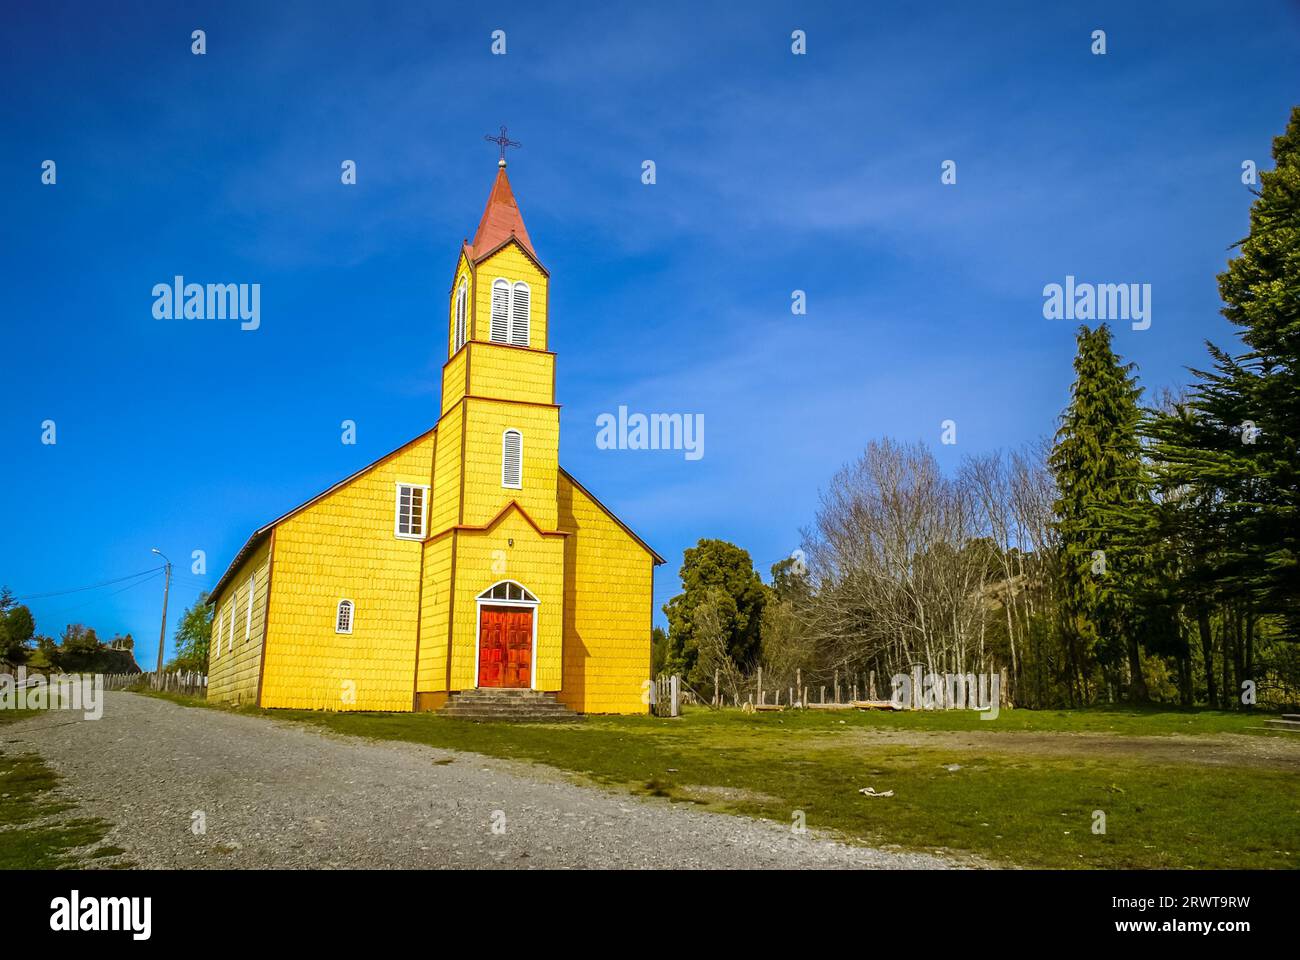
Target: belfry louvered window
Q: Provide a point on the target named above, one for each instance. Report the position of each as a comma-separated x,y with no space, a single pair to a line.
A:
511,312
462,308
343,619
409,521
512,459
500,311
519,310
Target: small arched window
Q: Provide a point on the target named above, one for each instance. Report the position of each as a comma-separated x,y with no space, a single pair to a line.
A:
343,620
520,308
500,332
462,308
512,459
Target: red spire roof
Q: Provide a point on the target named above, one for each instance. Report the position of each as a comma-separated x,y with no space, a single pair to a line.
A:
501,219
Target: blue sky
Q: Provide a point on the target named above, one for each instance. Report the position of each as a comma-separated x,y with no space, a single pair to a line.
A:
775,172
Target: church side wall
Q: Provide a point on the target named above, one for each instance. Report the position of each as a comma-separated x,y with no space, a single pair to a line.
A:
609,592
235,650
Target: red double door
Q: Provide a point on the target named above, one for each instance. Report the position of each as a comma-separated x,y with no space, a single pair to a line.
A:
505,647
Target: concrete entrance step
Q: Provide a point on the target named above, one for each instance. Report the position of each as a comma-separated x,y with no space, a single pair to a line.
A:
496,703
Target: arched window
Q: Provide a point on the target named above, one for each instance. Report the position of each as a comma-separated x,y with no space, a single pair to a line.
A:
500,311
511,312
508,590
343,620
520,307
462,305
512,459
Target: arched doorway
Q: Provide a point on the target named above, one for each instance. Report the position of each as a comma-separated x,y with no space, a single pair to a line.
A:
506,637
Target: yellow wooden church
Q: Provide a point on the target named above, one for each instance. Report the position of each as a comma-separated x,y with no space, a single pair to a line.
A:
464,567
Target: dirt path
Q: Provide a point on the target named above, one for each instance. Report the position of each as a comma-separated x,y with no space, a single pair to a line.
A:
277,794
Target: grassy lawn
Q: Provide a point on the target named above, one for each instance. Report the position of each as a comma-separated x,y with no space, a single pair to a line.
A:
35,834
1018,790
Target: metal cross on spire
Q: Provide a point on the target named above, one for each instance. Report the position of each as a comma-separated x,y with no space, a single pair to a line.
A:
502,141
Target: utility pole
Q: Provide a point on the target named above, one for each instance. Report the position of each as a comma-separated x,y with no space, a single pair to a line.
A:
162,632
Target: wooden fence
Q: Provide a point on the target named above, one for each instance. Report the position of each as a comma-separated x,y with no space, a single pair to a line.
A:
188,682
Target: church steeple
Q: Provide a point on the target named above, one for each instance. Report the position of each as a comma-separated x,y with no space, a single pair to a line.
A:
501,219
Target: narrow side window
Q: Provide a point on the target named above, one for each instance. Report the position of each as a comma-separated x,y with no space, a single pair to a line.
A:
512,459
462,304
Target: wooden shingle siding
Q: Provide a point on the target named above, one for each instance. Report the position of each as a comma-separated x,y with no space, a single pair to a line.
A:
444,508
453,379
486,421
343,546
435,596
508,372
233,672
608,598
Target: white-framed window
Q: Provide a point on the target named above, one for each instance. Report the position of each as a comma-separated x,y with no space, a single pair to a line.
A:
221,625
500,332
511,312
343,617
508,590
520,310
412,506
230,625
512,459
248,617
462,310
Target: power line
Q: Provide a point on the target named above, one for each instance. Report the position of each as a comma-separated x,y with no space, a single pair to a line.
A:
93,586
61,614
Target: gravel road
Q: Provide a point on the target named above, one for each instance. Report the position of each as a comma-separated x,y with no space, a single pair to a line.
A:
278,794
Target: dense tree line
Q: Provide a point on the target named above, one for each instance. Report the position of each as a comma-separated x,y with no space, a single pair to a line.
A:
1148,552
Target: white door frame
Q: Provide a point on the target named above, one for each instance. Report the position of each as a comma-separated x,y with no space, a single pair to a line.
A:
481,602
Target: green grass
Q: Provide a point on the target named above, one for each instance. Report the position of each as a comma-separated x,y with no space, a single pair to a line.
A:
33,833
1024,795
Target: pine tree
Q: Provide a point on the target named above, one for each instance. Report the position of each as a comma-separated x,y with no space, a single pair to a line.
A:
1238,451
1097,464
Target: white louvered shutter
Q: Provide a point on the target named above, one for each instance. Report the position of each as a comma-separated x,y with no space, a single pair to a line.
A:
460,318
512,459
519,315
248,617
500,311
